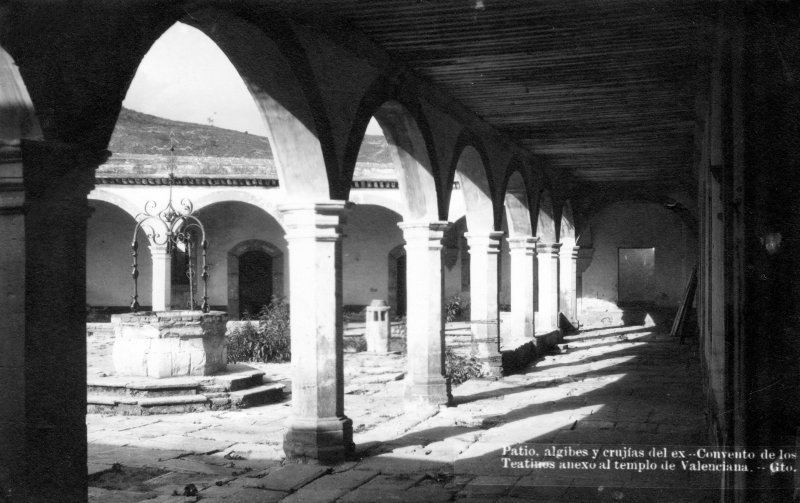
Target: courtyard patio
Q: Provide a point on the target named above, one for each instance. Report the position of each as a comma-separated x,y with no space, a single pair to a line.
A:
613,387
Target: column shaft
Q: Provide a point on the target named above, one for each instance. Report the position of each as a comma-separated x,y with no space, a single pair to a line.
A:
484,250
425,381
317,427
547,316
523,258
568,274
162,278
58,178
12,321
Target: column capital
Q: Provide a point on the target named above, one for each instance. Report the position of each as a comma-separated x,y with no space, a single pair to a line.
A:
321,220
12,190
548,248
423,231
575,252
158,249
522,243
54,167
488,241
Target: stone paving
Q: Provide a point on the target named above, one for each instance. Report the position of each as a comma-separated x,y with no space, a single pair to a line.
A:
612,388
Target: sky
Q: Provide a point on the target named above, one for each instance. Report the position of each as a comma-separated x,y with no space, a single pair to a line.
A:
186,77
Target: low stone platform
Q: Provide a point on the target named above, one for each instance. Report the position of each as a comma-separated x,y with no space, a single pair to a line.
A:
239,386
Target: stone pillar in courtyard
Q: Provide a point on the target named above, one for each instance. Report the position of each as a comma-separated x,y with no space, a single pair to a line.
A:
522,250
568,276
377,329
425,381
317,426
58,178
162,277
547,315
484,251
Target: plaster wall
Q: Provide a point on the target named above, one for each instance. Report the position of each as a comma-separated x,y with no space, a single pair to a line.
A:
630,224
228,224
370,234
108,258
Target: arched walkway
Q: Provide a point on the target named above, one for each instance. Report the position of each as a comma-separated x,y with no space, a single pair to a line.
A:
471,173
522,253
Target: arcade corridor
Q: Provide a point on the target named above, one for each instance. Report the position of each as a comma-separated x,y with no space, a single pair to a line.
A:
551,133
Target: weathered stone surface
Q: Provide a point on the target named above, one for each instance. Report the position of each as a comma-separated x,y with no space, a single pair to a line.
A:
292,477
169,343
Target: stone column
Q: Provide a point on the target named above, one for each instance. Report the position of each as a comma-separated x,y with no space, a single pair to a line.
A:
12,321
58,178
425,381
522,250
568,275
484,251
162,277
547,316
317,426
582,263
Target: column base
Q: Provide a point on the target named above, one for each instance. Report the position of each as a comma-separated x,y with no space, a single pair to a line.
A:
490,359
329,440
491,364
434,392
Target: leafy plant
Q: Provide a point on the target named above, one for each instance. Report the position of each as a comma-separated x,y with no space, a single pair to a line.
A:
460,368
265,339
456,308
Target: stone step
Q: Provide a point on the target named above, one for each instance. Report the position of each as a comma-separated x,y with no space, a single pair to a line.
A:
259,395
137,388
238,381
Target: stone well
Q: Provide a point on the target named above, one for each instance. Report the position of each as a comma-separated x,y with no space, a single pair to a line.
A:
169,343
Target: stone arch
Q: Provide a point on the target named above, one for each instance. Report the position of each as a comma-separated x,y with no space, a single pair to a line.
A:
367,196
471,172
101,194
397,280
415,175
233,270
411,144
273,67
545,221
17,116
517,205
256,198
566,231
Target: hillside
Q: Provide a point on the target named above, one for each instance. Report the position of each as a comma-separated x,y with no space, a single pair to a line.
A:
139,133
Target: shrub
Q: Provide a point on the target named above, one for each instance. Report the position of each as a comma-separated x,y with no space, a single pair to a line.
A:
456,308
265,339
460,368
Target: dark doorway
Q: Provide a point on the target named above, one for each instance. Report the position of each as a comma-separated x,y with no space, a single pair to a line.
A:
255,281
636,276
401,286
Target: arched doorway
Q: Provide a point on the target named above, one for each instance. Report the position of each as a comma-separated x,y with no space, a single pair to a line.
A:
255,281
255,275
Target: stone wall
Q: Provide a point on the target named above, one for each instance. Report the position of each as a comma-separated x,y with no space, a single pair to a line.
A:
632,224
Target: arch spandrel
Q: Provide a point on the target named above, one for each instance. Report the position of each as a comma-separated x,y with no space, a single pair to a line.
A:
517,210
409,151
17,116
545,221
567,227
474,185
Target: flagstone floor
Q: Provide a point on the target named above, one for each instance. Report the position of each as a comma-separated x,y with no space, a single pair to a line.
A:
589,423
